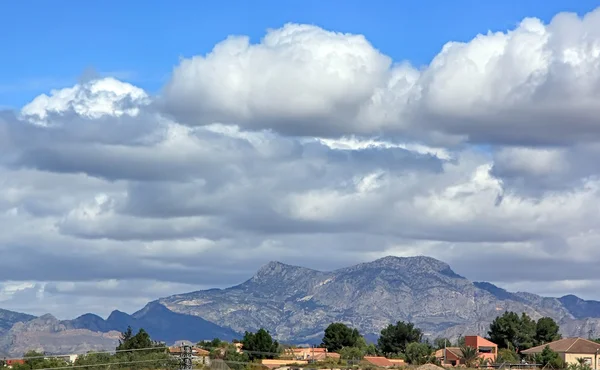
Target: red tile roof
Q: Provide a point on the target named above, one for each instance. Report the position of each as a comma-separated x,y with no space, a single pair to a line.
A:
378,361
567,345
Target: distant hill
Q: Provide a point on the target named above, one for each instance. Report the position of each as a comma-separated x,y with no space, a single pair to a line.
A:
9,318
296,304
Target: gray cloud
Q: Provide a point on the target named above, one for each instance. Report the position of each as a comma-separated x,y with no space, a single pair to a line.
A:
109,194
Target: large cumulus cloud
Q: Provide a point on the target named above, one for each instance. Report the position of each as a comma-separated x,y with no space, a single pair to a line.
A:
314,148
536,84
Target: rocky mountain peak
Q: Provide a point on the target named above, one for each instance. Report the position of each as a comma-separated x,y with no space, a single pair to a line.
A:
278,270
413,265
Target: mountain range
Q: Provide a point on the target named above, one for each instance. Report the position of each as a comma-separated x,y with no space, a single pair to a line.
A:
296,304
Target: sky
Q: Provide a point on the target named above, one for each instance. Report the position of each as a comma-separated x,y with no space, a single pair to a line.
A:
164,149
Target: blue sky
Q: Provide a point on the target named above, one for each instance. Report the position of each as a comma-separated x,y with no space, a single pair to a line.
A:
50,44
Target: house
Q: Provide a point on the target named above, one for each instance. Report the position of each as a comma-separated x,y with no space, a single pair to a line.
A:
312,354
452,356
11,362
199,355
68,358
571,349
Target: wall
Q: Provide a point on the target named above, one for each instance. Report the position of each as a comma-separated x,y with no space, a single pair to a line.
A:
571,358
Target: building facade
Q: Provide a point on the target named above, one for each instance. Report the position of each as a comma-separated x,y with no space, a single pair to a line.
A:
571,350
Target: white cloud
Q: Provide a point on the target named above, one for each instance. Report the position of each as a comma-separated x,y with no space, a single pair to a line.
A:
92,99
314,148
535,84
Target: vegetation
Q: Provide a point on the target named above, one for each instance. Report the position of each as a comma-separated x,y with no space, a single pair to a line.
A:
395,338
260,345
36,360
549,358
507,355
338,336
419,353
546,331
469,354
521,332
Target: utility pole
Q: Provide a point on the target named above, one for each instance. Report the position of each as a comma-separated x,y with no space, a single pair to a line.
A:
185,358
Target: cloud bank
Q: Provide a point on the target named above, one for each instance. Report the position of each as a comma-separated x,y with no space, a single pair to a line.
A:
310,147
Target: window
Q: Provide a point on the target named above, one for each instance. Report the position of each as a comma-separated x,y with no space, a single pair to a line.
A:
587,361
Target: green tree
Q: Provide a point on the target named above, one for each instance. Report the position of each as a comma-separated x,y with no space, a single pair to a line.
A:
549,358
139,351
546,331
211,344
419,353
92,360
469,355
338,336
36,360
234,359
351,353
260,345
513,330
507,355
395,338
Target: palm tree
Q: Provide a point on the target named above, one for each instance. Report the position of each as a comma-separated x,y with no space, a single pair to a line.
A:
469,354
483,362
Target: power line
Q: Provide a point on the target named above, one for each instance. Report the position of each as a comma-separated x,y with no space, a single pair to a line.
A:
105,364
166,349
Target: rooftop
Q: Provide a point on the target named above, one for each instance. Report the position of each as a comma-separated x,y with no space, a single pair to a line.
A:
567,345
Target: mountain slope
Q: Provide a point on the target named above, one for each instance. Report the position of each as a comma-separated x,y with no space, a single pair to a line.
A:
9,318
90,332
161,323
48,334
296,303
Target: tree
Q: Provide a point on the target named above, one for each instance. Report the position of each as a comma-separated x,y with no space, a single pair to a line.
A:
469,355
211,344
546,331
419,353
260,345
395,338
36,360
351,353
507,355
129,341
338,336
234,359
154,355
513,330
549,358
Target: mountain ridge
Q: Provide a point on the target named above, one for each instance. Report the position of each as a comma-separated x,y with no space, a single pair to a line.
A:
296,303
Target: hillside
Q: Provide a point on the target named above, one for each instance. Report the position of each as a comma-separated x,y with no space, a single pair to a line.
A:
296,304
